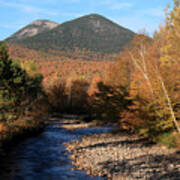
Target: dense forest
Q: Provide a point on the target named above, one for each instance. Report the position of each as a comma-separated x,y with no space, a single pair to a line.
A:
139,92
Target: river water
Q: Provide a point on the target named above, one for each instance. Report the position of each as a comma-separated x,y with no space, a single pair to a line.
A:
44,157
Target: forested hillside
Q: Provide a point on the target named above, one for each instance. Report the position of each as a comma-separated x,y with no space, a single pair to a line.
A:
92,33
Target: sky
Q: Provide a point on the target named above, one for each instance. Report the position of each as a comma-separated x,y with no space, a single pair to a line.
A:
136,15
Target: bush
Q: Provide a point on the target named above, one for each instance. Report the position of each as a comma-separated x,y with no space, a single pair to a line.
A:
58,97
170,139
72,98
109,102
78,97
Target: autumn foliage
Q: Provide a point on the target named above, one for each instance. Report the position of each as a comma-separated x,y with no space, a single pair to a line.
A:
69,97
19,86
149,69
140,90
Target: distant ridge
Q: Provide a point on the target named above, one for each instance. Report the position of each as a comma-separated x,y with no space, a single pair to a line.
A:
91,32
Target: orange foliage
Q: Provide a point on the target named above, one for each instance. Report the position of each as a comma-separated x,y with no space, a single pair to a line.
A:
59,66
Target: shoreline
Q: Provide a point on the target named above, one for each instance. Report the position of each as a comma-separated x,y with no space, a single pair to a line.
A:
119,156
15,134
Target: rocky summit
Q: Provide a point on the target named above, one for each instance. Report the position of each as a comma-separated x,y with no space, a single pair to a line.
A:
32,29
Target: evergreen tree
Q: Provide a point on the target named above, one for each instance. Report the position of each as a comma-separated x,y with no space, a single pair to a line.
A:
17,88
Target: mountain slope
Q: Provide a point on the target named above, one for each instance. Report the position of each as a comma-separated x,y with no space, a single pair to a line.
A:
92,32
32,29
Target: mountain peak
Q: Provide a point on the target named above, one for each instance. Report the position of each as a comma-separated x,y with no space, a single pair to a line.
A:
33,29
91,32
94,15
44,22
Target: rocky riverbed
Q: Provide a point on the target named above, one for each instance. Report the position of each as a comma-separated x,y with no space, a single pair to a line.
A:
123,156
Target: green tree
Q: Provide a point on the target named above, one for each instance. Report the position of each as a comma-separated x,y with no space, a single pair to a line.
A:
17,88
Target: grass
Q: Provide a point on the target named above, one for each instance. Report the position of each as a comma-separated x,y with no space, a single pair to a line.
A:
170,139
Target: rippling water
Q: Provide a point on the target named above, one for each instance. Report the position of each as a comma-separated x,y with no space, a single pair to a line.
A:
44,157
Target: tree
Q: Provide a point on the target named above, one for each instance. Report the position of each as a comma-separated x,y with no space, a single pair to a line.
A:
155,80
17,88
109,102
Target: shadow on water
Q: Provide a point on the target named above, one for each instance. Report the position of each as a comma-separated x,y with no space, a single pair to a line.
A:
44,157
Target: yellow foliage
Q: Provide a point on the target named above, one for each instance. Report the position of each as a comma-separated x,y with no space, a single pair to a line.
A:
29,67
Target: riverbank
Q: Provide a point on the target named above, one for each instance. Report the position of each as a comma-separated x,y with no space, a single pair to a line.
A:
120,156
12,133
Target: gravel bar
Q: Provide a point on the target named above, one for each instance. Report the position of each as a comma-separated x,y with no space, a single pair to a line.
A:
122,156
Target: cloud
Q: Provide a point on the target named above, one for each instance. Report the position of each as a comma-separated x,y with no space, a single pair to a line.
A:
158,12
119,6
16,25
49,1
37,2
28,8
36,11
148,19
138,22
115,5
73,1
7,26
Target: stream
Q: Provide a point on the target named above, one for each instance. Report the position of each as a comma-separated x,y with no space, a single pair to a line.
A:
44,157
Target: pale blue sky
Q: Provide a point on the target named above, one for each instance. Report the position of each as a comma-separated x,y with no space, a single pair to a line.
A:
133,14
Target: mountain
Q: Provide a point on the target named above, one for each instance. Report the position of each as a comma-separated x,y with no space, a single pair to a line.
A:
32,29
91,32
